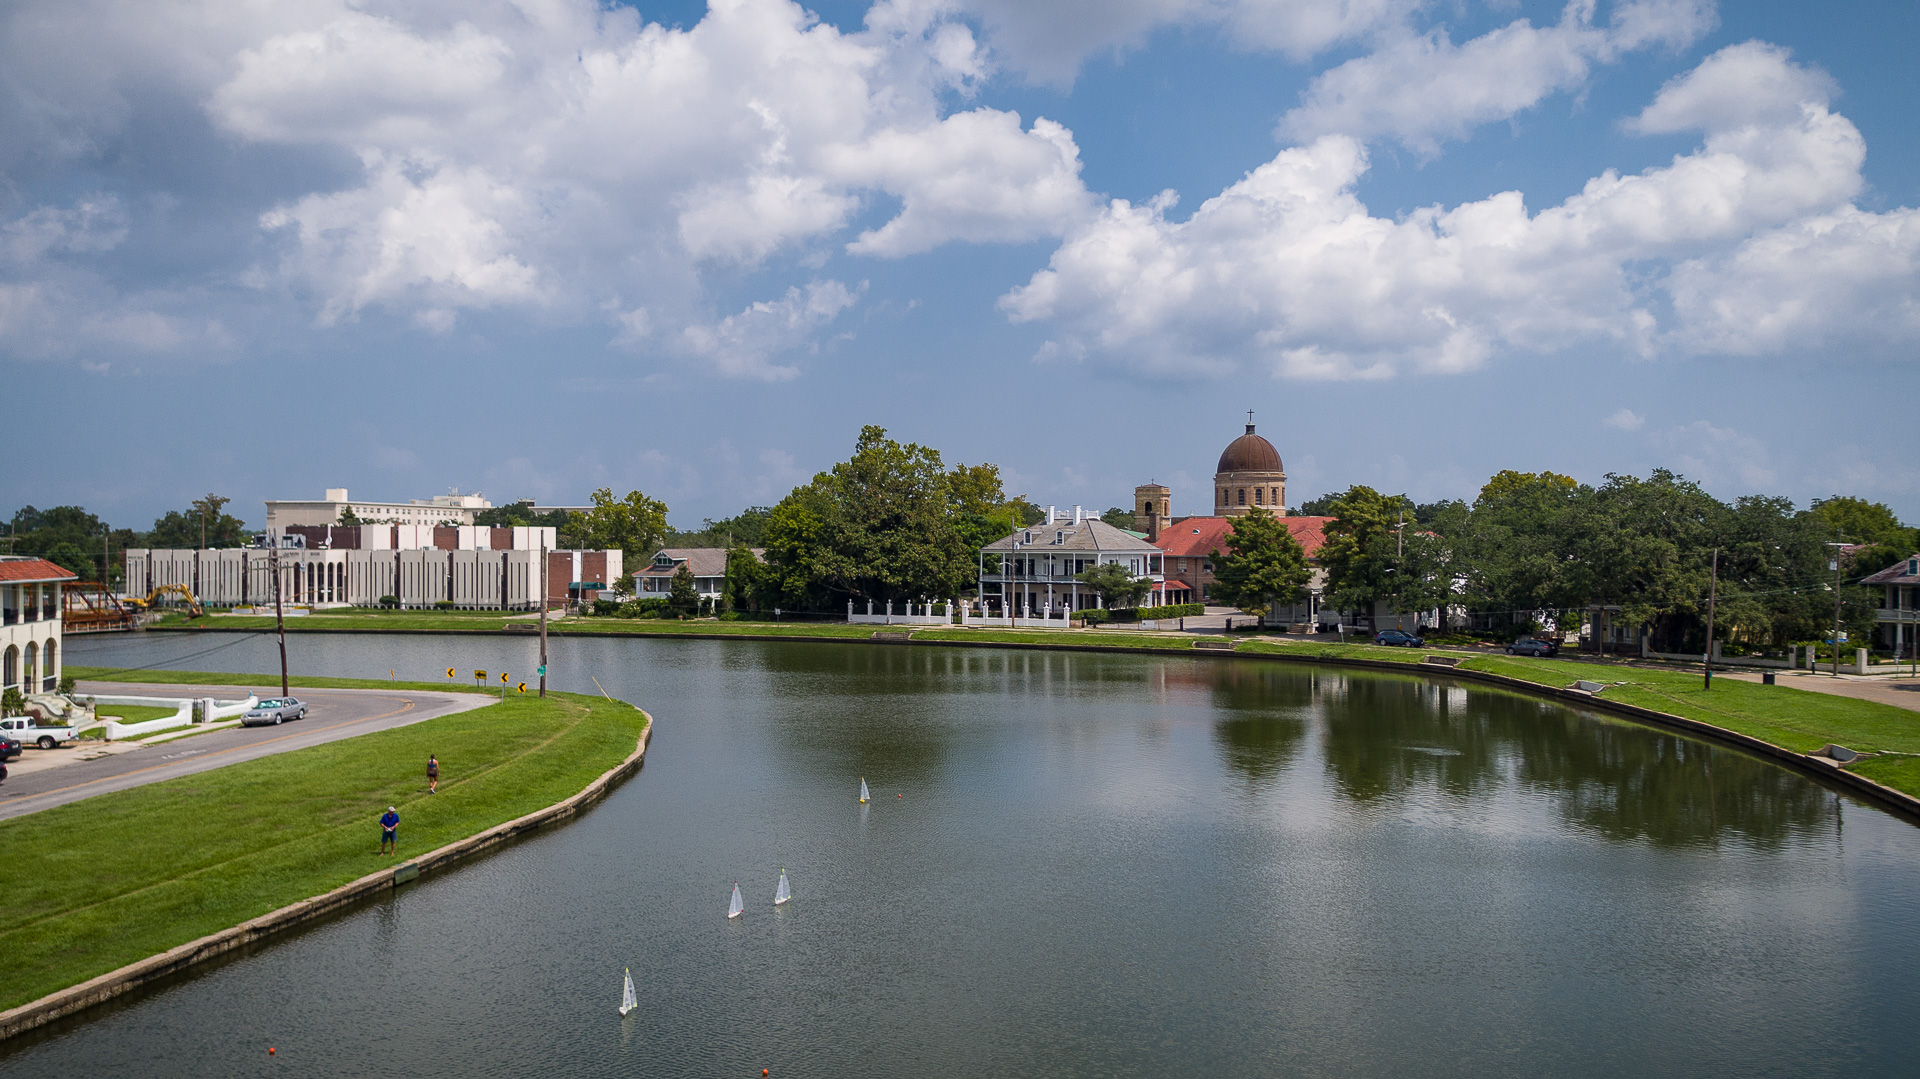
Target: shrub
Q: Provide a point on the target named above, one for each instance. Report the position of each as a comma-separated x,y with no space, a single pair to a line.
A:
606,606
12,702
444,605
66,685
1095,615
650,607
1173,610
389,601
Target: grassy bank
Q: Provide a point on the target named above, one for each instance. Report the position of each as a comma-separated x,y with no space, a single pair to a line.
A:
101,883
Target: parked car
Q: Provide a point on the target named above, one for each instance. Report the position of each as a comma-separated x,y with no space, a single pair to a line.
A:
31,733
10,748
1397,637
1532,646
274,710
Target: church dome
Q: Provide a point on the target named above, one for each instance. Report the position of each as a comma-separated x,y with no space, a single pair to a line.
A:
1250,453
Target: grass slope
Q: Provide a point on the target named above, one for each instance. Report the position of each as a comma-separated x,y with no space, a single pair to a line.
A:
95,885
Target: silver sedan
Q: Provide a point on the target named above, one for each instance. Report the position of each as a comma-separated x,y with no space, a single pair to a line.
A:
274,710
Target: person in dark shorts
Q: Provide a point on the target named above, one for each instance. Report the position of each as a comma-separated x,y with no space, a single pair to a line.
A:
433,774
389,829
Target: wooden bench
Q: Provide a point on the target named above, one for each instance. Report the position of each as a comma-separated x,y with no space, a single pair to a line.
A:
1441,661
1217,646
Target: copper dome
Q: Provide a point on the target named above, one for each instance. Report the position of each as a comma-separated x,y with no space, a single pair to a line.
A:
1250,453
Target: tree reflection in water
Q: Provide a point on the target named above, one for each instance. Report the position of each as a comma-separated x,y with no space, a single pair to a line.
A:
1387,737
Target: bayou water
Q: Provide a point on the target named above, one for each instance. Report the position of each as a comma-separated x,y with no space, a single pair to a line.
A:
1077,865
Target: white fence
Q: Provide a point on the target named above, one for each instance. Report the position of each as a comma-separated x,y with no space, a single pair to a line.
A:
212,711
906,617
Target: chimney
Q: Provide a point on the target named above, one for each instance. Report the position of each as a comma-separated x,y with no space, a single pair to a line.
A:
1077,515
1050,516
1153,522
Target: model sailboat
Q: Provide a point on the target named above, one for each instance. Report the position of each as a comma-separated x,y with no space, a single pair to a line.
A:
628,1001
735,907
782,893
863,791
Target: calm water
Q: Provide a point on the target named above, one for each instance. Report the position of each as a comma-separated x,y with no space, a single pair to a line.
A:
1098,866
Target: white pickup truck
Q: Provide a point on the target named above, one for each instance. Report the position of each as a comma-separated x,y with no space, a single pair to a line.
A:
30,734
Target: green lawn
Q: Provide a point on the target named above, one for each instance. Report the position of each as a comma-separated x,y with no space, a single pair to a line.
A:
134,713
101,883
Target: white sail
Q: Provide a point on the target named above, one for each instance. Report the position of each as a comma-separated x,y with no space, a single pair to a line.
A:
628,1001
782,893
735,907
863,789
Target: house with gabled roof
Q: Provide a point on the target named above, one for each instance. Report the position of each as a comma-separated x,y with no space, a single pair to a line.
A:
1034,572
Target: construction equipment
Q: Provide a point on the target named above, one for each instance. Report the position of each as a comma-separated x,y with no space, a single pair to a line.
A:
193,605
91,607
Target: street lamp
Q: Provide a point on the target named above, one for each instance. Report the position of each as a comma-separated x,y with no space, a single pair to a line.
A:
1833,564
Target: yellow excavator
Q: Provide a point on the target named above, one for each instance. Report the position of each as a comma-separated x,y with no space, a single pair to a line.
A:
194,609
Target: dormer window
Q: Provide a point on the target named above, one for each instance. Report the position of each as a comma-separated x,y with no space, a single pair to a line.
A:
1913,567
1059,536
1029,535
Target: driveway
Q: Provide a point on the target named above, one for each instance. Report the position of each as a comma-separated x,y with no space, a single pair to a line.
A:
333,714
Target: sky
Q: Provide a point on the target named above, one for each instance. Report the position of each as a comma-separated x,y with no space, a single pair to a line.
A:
540,247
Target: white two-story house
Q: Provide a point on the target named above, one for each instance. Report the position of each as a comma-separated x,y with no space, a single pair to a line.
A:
1034,572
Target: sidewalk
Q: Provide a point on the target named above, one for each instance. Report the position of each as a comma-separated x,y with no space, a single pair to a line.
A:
1899,692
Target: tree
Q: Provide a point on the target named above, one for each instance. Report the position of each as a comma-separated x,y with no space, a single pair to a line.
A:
683,598
1115,586
1856,520
1263,567
204,524
1357,574
882,525
634,524
1316,507
1120,518
747,580
348,517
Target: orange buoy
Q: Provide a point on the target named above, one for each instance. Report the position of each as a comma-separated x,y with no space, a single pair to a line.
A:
763,1071
269,1050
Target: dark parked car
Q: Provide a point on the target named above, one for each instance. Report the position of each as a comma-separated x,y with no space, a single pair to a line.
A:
10,747
1397,637
1530,646
274,710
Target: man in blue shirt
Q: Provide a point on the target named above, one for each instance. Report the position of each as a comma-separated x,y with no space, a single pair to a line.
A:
389,824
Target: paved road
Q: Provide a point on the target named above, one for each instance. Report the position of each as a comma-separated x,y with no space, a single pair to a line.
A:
334,714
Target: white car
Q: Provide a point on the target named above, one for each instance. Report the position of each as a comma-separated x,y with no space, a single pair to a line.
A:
23,728
274,710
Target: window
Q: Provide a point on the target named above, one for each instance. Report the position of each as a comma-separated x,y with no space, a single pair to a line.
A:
1257,492
1243,496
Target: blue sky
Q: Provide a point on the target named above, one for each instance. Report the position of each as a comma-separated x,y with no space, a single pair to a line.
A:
534,249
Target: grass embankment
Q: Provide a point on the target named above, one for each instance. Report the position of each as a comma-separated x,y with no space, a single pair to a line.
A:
134,713
92,886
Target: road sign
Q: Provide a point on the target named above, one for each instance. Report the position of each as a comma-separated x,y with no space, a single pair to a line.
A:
523,687
449,672
541,670
479,676
504,677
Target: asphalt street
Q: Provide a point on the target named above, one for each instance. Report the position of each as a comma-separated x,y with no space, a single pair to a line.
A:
332,714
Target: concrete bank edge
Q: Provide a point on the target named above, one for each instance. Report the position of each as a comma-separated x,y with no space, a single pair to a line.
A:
77,998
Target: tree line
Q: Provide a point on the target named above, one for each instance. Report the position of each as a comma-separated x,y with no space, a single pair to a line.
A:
1535,547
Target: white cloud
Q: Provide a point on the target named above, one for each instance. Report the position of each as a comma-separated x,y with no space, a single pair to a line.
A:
1719,457
1288,266
1625,420
743,345
1422,90
93,224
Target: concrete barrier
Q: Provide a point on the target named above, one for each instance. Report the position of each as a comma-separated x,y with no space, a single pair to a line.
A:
107,986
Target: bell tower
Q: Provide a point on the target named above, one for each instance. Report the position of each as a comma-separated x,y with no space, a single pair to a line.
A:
1152,506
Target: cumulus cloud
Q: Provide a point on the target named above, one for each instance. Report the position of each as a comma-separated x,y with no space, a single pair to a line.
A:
743,345
1423,89
1625,420
1289,267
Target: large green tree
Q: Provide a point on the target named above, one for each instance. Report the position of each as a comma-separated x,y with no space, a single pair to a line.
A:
634,524
1263,565
889,523
1116,587
1359,571
204,523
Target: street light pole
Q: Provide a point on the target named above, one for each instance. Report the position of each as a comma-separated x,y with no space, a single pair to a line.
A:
543,616
1713,593
279,616
1835,566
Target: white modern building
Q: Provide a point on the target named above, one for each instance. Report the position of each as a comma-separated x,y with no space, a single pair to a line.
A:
452,508
1039,566
471,579
30,623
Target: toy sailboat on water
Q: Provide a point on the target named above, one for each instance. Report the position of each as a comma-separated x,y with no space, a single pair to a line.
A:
782,893
735,907
863,791
628,1001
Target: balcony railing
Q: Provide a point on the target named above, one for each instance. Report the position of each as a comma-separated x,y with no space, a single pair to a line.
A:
1897,614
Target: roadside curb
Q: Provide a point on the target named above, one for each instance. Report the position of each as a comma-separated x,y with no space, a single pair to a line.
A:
112,984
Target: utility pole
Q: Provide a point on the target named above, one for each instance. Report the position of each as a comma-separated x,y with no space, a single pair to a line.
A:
1834,564
1713,593
543,615
279,616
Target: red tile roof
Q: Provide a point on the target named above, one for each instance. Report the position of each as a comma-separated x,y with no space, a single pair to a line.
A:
1198,537
33,571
